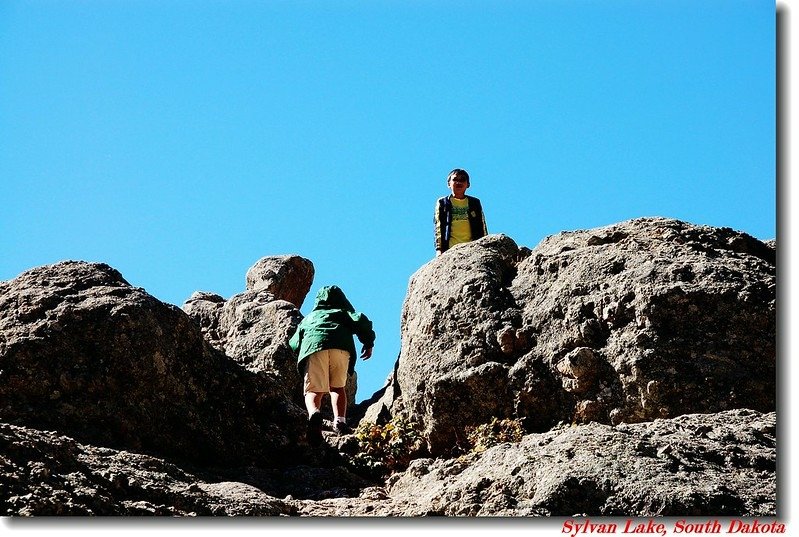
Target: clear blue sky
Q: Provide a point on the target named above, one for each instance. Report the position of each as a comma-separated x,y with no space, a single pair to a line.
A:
181,141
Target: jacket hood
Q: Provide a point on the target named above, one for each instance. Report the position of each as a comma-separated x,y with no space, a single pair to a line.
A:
332,297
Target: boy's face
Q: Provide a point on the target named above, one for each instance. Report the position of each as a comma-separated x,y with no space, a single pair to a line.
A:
458,186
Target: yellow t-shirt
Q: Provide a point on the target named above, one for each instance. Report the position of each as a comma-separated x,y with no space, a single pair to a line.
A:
461,231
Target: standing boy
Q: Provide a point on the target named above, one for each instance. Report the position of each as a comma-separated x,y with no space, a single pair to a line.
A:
458,218
326,355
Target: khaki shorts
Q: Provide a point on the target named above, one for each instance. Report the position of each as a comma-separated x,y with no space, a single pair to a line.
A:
326,369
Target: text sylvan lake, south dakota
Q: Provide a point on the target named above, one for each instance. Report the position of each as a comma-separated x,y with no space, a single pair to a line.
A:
574,527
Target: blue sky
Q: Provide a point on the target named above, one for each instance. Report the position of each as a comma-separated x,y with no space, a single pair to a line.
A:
182,141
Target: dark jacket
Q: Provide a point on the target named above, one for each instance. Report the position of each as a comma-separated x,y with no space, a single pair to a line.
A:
331,325
442,221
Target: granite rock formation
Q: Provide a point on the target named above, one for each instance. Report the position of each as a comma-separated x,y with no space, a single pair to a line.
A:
85,353
646,319
640,359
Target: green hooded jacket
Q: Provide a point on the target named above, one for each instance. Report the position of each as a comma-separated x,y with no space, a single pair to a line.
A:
330,325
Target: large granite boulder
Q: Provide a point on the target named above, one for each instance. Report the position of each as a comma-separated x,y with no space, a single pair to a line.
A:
451,370
646,319
85,353
286,277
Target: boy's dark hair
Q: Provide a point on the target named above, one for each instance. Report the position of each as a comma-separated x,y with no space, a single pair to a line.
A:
457,172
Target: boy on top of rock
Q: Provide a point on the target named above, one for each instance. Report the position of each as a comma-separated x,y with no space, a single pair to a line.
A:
326,355
458,218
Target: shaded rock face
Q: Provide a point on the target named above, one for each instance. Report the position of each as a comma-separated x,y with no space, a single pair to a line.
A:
84,353
47,474
252,328
43,473
646,319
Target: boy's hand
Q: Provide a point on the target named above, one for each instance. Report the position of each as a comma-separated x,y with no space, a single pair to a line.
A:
366,353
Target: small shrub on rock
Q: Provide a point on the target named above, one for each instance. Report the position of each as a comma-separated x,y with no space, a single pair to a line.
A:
391,446
482,437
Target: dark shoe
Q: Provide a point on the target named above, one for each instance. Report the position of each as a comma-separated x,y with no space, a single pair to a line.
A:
341,427
315,429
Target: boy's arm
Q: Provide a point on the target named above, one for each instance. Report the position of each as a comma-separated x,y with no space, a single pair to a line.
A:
437,227
366,335
366,353
294,342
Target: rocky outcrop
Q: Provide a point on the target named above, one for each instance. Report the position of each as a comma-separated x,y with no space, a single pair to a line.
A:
639,358
85,353
646,319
